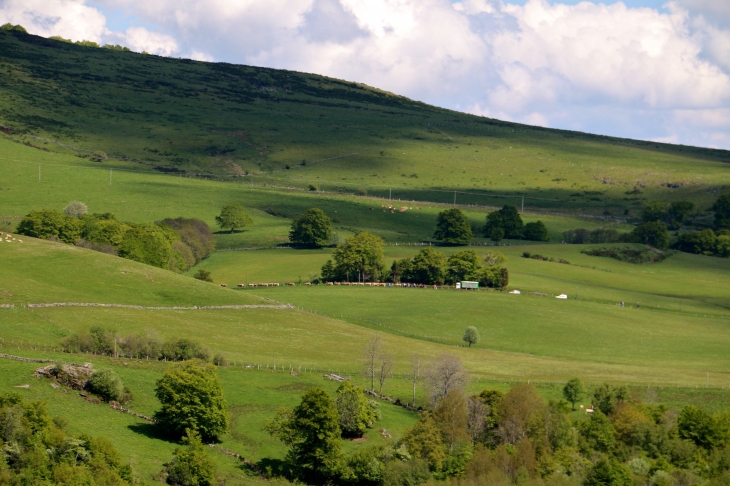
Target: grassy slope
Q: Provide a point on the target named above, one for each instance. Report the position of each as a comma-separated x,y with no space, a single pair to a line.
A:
218,118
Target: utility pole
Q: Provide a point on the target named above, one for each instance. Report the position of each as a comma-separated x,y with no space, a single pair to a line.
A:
390,195
110,176
523,204
39,172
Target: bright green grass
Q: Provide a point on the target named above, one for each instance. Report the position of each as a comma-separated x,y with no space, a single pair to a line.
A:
145,196
214,118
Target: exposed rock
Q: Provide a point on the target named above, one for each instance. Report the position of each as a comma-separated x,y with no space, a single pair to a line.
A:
70,375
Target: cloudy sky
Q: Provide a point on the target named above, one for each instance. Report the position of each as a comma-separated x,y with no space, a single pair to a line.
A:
648,69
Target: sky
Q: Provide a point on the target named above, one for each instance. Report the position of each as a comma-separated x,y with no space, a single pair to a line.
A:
645,69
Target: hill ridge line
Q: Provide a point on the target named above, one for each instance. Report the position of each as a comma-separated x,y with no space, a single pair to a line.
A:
128,306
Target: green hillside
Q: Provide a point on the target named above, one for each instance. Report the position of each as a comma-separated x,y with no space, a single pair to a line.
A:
245,123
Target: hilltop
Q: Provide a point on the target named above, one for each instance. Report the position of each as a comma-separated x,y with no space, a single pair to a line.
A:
283,127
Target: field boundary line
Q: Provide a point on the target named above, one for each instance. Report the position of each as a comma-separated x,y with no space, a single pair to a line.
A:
126,306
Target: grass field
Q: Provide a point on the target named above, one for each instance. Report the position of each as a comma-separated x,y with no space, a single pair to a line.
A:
238,121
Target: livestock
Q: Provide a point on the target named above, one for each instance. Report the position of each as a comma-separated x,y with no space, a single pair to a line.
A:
330,283
224,285
307,283
290,284
241,285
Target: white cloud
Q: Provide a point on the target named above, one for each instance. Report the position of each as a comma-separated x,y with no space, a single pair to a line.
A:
201,56
600,67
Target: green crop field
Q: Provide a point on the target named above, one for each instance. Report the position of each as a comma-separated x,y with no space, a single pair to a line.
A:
146,138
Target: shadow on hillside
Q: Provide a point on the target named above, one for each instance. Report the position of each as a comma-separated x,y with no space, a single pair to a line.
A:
269,467
152,431
228,232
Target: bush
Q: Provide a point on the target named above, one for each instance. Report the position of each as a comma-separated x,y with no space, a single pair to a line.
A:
148,243
220,360
192,400
194,233
508,219
653,234
453,227
361,192
406,473
184,349
48,223
203,275
494,277
16,28
76,209
106,384
536,232
313,228
313,187
190,466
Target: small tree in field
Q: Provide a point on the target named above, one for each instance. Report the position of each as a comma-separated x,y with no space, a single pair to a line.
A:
191,465
192,399
233,216
313,228
471,335
452,226
76,210
203,275
573,391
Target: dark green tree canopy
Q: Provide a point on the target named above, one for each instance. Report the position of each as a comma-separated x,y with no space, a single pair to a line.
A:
678,213
191,465
536,231
233,216
508,219
427,267
573,391
722,211
47,223
471,336
452,226
463,265
312,228
653,234
312,433
654,211
192,398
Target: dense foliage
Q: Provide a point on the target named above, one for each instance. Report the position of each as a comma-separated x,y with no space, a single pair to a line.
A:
313,228
452,226
705,242
36,451
430,267
233,216
506,219
192,400
190,466
174,244
360,258
357,412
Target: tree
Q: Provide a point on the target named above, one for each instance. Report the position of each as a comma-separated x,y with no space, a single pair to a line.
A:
451,416
608,473
519,412
16,28
192,398
605,397
415,374
452,226
424,441
445,374
698,242
698,426
496,234
385,369
106,384
427,267
536,231
233,216
654,211
573,391
191,466
312,433
597,433
48,223
653,234
148,243
370,359
76,209
463,265
328,271
356,412
203,275
194,233
312,228
360,256
508,219
471,335
494,258
678,213
722,211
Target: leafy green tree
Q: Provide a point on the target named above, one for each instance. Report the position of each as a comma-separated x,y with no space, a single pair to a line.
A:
191,466
536,231
424,441
16,28
313,228
452,226
148,243
402,473
355,410
47,223
653,234
494,258
698,242
574,391
463,265
192,398
722,211
360,256
494,277
698,426
312,433
496,234
508,219
597,433
107,384
471,335
328,271
233,216
608,473
605,397
195,233
427,267
654,211
678,212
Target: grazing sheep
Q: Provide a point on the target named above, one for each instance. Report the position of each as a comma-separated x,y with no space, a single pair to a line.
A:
241,285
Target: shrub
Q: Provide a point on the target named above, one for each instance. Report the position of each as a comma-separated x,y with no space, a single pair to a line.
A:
148,243
508,219
313,228
184,349
194,233
48,223
220,360
192,399
313,187
190,466
536,232
76,209
411,473
452,226
654,234
203,275
106,384
361,192
16,28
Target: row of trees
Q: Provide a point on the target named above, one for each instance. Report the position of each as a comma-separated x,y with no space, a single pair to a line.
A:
174,244
361,258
